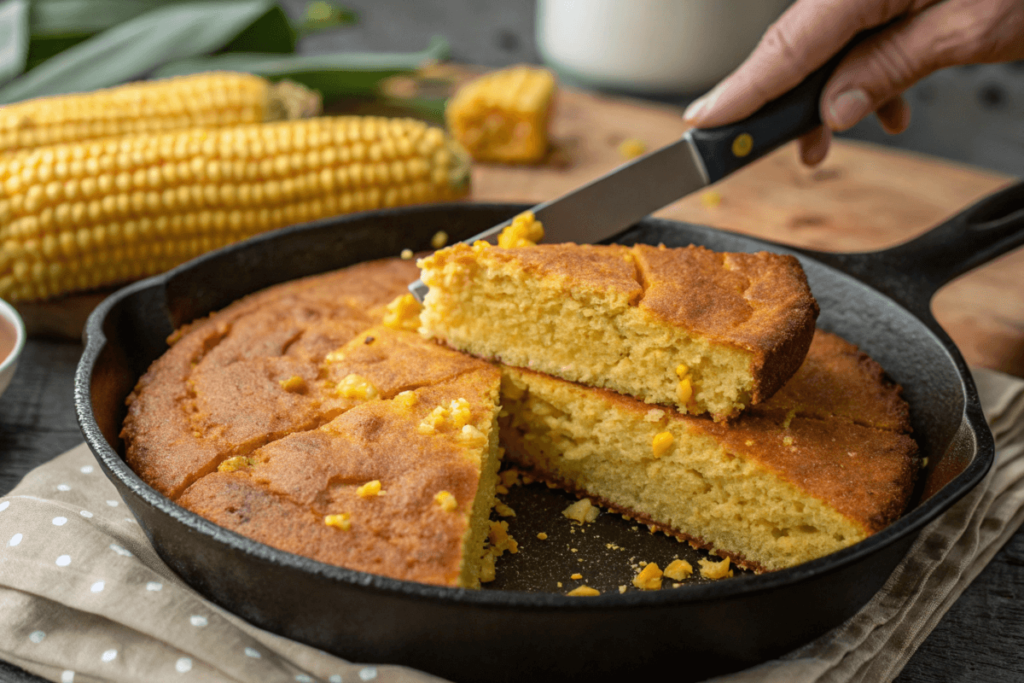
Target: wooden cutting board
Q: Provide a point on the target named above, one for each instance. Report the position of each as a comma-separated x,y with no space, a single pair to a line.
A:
863,197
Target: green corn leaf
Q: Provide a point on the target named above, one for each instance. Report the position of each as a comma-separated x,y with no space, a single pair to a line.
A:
352,74
13,38
134,48
57,25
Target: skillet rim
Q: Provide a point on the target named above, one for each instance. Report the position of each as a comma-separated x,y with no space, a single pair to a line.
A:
118,471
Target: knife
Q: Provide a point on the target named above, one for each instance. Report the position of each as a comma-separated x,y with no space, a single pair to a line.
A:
620,198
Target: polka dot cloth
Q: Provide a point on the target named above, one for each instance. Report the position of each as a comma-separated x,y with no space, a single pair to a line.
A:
64,536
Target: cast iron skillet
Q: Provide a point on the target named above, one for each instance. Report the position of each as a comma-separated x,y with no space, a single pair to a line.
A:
878,300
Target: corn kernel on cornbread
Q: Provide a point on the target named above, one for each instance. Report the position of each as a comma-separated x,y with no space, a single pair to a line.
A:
698,330
822,465
295,419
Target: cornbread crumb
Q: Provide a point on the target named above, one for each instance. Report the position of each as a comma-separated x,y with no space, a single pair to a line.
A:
710,199
236,463
709,569
406,254
509,478
582,511
446,501
632,148
524,231
501,489
559,584
662,443
622,589
403,313
295,383
369,489
577,576
654,415
542,536
340,521
501,540
584,590
649,578
677,570
504,510
439,239
354,386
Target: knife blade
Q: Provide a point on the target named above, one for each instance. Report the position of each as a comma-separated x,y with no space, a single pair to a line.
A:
615,201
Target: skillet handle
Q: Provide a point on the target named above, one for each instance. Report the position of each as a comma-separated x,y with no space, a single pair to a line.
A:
912,272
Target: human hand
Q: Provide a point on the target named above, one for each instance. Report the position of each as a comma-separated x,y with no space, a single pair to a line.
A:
929,35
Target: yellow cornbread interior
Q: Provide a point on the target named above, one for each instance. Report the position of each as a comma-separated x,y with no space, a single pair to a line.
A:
720,499
492,308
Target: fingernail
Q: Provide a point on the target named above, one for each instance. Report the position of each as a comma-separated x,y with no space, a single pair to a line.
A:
693,112
702,106
847,108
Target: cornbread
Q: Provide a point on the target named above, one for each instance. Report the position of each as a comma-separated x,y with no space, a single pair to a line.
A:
294,418
690,328
311,417
825,463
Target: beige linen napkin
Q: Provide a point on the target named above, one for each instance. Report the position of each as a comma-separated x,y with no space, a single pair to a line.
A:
84,597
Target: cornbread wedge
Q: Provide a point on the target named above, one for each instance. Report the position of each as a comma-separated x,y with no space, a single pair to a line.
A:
294,418
801,476
704,332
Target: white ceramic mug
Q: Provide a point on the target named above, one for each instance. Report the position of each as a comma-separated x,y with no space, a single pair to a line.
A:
655,47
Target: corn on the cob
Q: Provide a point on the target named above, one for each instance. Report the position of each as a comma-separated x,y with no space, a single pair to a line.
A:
503,116
209,99
81,216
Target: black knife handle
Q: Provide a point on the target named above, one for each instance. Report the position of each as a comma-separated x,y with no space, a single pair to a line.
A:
730,147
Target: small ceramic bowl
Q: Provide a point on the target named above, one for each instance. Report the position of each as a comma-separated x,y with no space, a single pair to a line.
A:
10,362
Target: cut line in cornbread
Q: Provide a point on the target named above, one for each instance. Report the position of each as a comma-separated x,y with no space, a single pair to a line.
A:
686,327
821,467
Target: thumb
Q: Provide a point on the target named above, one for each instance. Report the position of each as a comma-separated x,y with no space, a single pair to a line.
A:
878,70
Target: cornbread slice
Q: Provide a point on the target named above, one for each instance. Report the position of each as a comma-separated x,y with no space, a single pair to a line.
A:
293,417
688,327
796,478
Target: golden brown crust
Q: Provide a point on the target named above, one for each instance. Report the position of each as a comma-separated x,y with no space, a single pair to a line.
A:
281,499
759,302
851,459
257,384
216,393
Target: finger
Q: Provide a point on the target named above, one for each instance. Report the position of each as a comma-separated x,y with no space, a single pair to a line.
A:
800,41
894,115
879,69
814,146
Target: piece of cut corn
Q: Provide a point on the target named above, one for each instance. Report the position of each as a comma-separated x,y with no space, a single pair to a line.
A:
503,116
84,215
213,99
